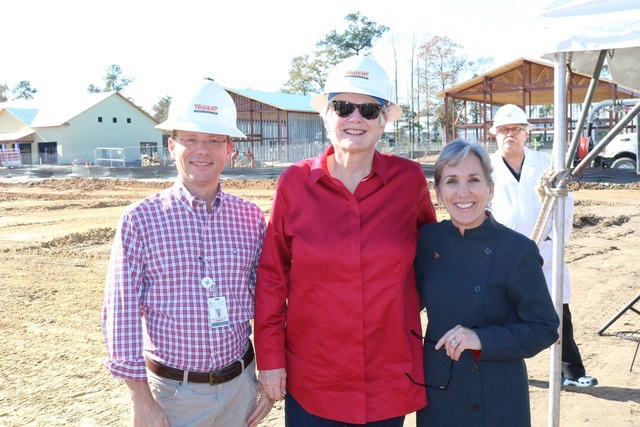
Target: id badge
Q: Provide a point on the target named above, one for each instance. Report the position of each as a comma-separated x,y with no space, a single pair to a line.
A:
218,313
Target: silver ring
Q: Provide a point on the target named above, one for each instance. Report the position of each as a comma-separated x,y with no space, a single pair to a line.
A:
453,341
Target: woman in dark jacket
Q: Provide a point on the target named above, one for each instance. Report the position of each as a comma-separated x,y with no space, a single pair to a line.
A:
487,303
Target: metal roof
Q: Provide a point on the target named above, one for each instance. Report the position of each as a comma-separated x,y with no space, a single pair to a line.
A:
25,115
282,101
53,112
59,111
15,136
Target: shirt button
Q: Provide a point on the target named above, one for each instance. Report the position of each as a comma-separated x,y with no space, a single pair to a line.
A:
477,289
475,368
475,407
487,251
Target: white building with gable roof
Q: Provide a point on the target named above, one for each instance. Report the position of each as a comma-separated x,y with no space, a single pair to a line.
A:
61,132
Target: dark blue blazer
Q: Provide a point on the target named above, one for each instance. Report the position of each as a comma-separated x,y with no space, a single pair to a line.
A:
490,280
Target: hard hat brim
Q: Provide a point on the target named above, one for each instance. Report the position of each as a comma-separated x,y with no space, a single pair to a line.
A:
319,103
171,125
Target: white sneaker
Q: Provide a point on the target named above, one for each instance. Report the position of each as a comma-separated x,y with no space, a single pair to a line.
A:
585,381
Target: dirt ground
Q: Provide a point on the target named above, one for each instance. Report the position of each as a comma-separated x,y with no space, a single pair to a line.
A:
55,237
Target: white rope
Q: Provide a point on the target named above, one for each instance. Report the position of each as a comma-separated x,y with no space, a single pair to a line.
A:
548,196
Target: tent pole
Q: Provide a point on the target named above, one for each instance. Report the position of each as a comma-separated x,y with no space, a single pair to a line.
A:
593,85
559,149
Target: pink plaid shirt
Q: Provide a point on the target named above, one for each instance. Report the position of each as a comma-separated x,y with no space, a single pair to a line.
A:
155,303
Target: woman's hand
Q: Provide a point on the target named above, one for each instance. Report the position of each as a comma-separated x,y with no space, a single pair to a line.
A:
457,340
274,383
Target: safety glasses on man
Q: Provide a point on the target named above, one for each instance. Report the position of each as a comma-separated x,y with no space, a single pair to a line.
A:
506,130
209,142
368,111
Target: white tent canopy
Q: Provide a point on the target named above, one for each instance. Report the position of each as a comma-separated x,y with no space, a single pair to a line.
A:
583,28
584,34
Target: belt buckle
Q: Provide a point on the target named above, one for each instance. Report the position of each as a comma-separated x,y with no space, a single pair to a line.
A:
213,374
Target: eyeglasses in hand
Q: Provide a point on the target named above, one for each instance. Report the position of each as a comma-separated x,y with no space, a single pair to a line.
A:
451,363
368,111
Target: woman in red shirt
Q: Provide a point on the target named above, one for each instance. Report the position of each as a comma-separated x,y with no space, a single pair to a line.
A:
336,299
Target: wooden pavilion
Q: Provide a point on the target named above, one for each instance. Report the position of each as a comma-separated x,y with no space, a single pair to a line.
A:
469,106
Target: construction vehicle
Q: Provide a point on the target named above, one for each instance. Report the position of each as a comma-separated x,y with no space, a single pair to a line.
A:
621,150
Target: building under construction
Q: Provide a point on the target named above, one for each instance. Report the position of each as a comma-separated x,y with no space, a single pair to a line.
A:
527,83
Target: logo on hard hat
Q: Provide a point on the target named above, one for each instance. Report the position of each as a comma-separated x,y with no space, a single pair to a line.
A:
208,109
357,74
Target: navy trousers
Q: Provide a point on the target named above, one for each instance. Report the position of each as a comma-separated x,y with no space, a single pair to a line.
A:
296,416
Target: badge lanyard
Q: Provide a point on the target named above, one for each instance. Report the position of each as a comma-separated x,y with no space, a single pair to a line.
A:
217,304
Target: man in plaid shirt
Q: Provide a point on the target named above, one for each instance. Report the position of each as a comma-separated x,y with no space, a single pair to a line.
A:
180,287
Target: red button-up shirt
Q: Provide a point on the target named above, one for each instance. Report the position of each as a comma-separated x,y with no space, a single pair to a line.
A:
336,297
155,302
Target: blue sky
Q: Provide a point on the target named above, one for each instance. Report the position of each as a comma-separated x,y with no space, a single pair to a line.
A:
63,46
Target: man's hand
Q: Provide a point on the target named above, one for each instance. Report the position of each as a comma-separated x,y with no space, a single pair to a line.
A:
262,410
145,411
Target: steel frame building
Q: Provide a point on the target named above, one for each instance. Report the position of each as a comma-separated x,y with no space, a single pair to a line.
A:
526,83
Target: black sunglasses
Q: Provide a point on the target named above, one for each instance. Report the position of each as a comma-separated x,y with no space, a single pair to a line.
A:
368,111
451,363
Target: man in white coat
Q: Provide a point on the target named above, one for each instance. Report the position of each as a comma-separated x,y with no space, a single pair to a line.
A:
516,172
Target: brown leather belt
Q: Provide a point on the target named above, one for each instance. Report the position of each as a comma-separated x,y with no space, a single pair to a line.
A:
213,378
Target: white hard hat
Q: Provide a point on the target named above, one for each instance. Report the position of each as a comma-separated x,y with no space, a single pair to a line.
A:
510,114
362,75
204,107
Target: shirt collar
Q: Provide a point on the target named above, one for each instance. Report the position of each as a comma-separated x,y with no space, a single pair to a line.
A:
182,193
319,166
